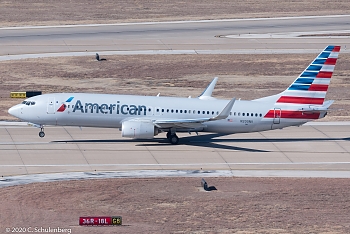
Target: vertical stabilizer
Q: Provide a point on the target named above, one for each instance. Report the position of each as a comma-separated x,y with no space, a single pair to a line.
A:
312,84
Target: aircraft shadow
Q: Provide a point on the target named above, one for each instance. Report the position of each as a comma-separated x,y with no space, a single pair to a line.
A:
164,142
207,141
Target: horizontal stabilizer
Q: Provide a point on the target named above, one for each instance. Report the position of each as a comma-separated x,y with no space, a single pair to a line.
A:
318,108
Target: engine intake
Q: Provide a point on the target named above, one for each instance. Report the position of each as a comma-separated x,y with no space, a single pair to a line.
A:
139,129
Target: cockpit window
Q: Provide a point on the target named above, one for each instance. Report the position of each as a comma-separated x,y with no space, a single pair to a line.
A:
28,103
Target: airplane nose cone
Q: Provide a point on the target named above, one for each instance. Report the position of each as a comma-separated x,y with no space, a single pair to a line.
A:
14,111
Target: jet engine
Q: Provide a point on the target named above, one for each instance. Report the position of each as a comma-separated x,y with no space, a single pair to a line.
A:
139,129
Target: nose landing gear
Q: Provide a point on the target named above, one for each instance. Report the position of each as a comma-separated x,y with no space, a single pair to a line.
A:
41,133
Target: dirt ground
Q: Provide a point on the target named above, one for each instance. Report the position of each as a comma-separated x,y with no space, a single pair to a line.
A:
51,12
241,76
179,205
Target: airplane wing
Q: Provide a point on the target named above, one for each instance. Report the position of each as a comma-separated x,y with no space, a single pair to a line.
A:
194,123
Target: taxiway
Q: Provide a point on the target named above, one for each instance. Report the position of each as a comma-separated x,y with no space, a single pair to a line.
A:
318,146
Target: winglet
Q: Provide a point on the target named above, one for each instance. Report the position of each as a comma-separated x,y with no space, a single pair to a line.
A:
209,90
225,112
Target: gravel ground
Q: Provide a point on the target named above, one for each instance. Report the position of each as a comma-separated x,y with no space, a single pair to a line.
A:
180,205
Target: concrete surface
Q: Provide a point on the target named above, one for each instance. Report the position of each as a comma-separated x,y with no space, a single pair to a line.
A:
188,36
315,147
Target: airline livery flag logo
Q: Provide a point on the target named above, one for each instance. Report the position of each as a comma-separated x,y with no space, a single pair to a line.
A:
64,106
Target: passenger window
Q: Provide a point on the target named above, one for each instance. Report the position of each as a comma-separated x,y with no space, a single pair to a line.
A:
167,110
199,112
260,115
157,110
185,111
242,114
256,115
176,111
239,113
162,110
251,114
172,111
203,112
234,113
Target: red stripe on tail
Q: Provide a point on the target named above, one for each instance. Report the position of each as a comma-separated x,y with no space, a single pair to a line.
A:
336,49
330,61
318,87
324,74
286,114
301,100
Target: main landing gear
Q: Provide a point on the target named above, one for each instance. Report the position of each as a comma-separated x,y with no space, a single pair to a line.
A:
173,138
41,133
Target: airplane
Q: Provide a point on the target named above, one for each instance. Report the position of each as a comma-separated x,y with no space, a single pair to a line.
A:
143,117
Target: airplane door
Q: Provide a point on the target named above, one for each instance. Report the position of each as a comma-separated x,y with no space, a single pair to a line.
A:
277,116
51,105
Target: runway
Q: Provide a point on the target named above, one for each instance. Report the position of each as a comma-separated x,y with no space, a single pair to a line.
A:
206,35
322,147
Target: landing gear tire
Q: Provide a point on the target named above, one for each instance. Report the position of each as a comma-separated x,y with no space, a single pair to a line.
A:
173,139
41,134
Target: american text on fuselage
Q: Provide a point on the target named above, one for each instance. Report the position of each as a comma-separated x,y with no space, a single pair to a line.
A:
109,108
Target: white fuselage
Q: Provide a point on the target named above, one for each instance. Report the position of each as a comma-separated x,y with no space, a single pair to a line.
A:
109,111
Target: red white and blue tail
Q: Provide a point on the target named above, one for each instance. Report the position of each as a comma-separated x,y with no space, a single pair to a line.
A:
312,84
304,99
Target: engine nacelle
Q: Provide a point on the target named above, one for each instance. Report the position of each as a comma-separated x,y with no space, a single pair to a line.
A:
139,129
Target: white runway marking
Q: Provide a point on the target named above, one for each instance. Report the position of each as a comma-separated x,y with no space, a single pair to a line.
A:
315,34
